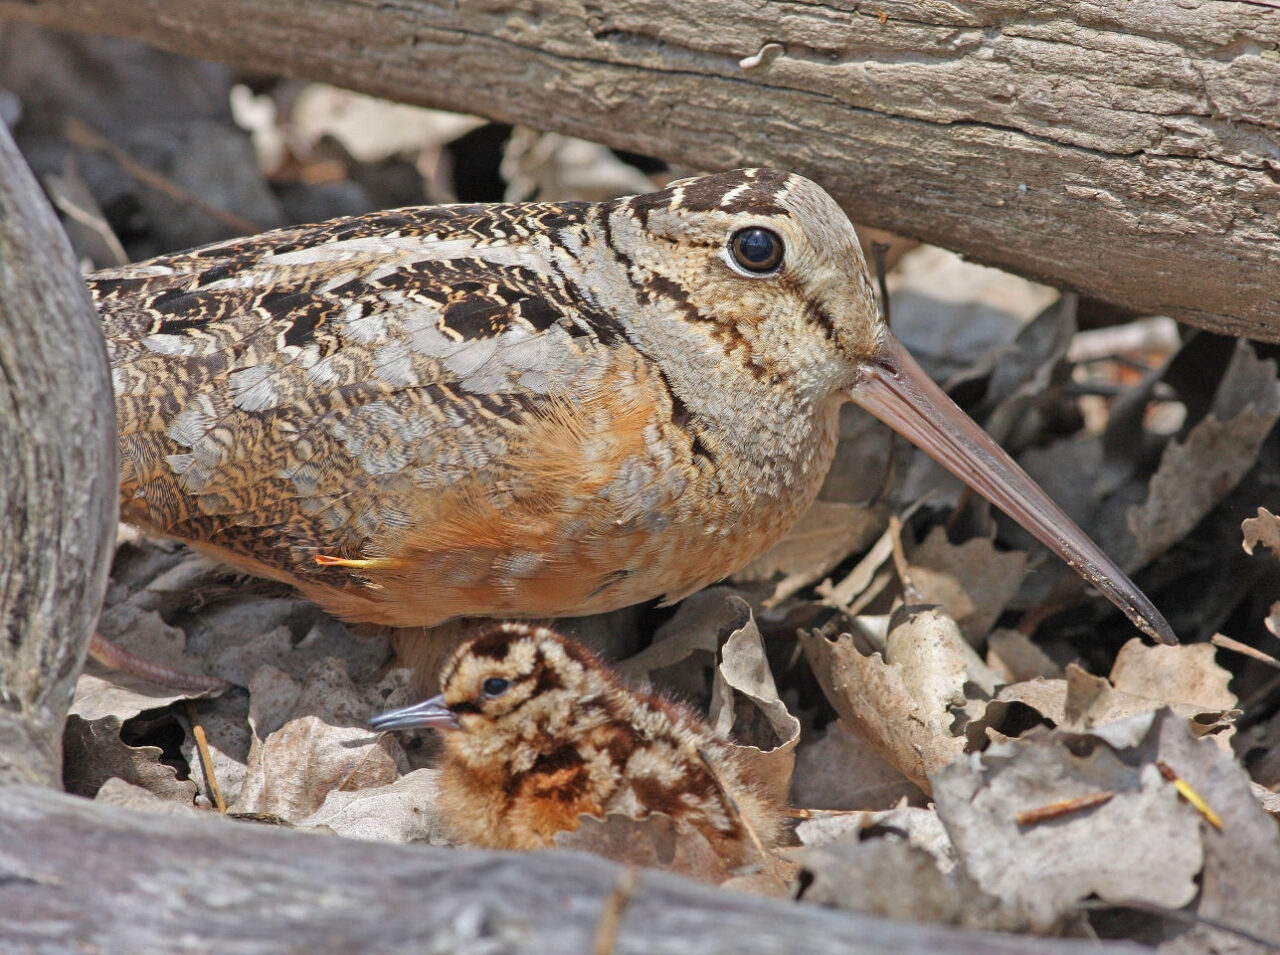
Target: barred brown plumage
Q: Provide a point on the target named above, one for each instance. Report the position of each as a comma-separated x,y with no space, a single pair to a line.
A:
535,410
538,732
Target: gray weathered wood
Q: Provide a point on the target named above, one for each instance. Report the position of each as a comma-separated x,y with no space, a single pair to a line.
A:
77,875
1127,148
57,475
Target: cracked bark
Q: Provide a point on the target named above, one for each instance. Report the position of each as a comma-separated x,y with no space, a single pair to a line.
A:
58,461
1129,149
77,875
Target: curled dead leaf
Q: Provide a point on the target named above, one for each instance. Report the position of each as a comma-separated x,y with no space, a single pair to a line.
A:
94,752
902,702
745,707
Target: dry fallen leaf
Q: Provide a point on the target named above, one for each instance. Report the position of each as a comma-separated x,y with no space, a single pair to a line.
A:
552,166
1017,708
1242,860
685,643
745,707
827,533
310,739
1267,799
1196,473
93,753
920,827
368,128
1143,844
401,811
902,702
1184,674
288,635
1101,819
894,879
971,582
957,313
1024,375
1094,701
1263,529
1012,654
294,769
841,770
117,792
654,841
869,577
1144,678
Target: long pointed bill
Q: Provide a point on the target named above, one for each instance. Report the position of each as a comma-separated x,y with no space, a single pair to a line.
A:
429,713
897,390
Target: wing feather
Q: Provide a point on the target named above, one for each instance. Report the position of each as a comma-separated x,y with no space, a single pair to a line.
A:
295,393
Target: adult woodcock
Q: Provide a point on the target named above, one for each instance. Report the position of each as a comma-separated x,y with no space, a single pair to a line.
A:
528,410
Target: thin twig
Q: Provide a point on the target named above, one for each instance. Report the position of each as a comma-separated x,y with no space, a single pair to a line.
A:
1189,794
79,134
1065,807
94,223
909,592
615,906
795,813
1221,640
206,758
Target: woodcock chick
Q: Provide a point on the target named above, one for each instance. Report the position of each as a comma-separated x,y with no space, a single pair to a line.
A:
534,410
538,732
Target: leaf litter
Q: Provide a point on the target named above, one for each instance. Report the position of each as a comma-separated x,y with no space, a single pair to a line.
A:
977,674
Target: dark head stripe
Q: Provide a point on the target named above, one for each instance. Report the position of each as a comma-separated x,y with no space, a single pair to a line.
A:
759,191
493,644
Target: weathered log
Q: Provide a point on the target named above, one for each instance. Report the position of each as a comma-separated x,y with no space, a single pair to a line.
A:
78,875
58,475
1129,149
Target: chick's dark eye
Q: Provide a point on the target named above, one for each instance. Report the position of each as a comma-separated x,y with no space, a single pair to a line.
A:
756,250
494,686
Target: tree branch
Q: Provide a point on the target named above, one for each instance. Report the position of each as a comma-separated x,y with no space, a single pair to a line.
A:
150,880
58,459
1129,149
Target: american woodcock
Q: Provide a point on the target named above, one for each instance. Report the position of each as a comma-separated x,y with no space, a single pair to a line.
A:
529,410
540,733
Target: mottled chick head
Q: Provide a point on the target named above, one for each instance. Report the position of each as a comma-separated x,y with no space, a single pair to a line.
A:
765,265
512,679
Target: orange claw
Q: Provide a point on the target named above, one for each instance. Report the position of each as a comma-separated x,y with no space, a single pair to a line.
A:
325,560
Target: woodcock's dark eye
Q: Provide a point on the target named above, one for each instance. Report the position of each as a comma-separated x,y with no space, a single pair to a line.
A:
494,686
756,250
